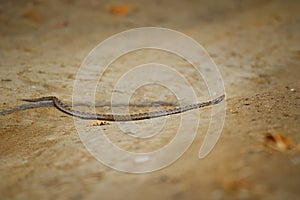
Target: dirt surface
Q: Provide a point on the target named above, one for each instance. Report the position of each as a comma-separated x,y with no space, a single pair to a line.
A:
256,47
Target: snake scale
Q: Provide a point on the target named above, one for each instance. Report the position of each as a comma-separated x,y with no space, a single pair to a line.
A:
131,117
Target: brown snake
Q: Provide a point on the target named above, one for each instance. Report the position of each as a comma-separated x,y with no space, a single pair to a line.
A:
131,117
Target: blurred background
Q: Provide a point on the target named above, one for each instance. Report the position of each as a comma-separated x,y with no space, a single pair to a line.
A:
255,44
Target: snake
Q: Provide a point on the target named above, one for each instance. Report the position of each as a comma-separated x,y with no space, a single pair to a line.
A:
60,105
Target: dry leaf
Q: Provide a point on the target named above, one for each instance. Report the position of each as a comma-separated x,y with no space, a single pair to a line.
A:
61,24
278,142
120,10
236,184
98,123
32,15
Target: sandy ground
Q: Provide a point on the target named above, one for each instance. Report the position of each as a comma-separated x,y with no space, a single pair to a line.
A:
256,47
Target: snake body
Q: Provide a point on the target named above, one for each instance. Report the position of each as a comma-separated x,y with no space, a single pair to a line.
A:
131,117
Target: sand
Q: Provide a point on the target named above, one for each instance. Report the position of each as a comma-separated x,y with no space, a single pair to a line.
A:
255,45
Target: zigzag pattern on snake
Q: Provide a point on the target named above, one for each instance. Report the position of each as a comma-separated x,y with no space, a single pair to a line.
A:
131,117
